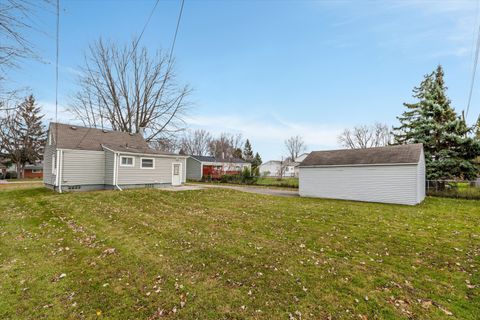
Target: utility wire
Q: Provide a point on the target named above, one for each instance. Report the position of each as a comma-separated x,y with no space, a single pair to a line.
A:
176,31
56,71
474,70
145,26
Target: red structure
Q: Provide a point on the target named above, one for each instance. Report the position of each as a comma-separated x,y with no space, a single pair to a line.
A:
33,172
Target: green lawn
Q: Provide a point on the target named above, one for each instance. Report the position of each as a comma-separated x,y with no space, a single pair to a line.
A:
283,182
224,254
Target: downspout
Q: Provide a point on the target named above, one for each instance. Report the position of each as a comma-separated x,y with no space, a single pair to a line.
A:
58,173
115,171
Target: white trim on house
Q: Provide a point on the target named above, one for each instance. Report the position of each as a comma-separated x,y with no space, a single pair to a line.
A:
127,165
180,171
115,170
148,168
360,165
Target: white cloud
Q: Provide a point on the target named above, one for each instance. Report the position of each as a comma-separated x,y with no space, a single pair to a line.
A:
48,108
268,134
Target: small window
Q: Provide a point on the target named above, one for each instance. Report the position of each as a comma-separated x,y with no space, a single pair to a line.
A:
176,169
126,161
147,163
37,170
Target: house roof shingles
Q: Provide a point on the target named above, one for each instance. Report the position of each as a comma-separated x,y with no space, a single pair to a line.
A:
83,138
409,153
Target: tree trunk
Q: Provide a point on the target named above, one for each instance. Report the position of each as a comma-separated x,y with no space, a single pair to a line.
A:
19,168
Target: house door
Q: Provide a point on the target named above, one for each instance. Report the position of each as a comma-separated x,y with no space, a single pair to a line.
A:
176,174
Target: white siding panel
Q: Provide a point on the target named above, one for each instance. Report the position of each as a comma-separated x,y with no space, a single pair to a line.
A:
109,166
83,167
194,169
389,184
48,176
162,173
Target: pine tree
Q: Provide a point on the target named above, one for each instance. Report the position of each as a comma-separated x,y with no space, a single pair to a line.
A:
248,152
23,135
448,145
257,161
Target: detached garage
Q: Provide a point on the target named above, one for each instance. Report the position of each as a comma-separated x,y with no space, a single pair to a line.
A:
394,174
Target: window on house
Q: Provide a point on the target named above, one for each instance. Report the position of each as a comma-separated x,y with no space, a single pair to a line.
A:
54,164
147,163
126,161
176,169
37,170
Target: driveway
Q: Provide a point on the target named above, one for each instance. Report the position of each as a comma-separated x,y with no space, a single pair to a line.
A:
258,190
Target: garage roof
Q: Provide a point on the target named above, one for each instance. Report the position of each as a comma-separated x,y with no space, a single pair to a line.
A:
407,153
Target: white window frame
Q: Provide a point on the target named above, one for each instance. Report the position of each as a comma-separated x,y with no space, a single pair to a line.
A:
127,165
145,158
37,170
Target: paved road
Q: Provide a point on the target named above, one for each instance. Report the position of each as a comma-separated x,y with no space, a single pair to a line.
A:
259,190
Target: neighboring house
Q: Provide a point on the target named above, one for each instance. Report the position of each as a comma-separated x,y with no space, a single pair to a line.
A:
78,158
207,166
3,171
277,168
394,174
301,157
31,171
270,168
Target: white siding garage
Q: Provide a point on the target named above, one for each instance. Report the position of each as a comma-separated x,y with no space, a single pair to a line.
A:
394,174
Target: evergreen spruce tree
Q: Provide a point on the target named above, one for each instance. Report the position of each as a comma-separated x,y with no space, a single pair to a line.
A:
22,134
257,161
448,145
248,152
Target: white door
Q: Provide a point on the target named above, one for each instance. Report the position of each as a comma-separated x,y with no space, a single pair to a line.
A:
176,174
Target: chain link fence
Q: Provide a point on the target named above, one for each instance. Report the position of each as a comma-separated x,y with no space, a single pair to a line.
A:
454,189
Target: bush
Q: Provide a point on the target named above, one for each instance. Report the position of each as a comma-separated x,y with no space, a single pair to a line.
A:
11,175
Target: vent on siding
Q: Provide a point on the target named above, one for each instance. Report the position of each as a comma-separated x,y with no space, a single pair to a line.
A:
73,187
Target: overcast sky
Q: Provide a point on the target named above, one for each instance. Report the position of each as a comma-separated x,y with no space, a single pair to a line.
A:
272,69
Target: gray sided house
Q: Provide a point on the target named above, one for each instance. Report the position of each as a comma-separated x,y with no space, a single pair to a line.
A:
393,174
78,159
202,166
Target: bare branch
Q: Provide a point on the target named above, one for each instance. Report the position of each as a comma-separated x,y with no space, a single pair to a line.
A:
126,89
360,137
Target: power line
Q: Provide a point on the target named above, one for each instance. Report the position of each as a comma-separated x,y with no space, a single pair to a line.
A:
145,26
176,31
474,70
56,71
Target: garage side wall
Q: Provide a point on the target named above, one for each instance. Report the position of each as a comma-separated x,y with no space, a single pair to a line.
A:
194,169
388,183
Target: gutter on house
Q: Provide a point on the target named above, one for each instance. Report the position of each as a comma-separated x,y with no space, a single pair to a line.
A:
58,177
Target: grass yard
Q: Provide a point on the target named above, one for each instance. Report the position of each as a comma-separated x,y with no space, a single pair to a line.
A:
224,254
276,182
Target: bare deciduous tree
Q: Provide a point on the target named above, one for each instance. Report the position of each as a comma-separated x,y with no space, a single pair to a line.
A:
196,142
15,26
295,146
226,146
127,89
364,136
